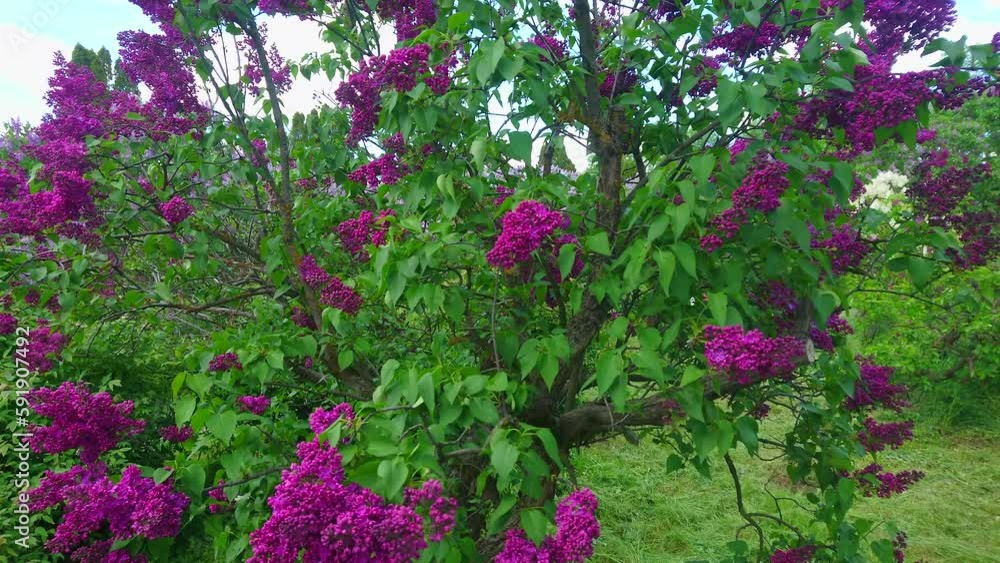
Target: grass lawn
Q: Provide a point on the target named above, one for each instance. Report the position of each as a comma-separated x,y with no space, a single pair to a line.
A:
952,515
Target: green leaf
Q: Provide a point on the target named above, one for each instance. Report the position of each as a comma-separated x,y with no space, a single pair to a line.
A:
746,429
392,475
520,146
825,301
691,374
503,456
921,271
478,151
667,264
840,83
492,51
702,166
191,479
610,366
535,524
717,303
222,425
598,243
685,255
843,181
345,358
425,388
567,258
184,408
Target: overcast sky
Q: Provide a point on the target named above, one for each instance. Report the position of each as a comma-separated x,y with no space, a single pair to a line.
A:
32,30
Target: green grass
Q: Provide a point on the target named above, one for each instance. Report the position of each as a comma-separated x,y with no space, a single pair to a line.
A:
647,515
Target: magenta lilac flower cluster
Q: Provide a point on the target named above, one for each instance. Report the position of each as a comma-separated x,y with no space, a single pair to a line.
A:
616,83
45,346
8,323
577,528
92,423
176,210
408,16
760,190
555,48
441,509
333,292
176,433
218,493
386,169
299,8
801,554
940,199
905,26
874,389
750,356
302,318
365,229
133,507
225,362
872,481
253,72
503,192
362,91
708,80
844,246
876,436
256,404
321,419
317,515
524,230
744,41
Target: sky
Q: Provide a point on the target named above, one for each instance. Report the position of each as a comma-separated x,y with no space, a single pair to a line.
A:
31,31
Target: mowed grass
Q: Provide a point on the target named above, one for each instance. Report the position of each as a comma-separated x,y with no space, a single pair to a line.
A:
647,515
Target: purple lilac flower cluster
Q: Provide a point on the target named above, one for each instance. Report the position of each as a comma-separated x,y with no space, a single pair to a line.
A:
801,554
362,91
707,81
317,515
907,26
750,356
333,292
408,16
877,435
503,192
253,72
45,346
299,8
760,190
176,433
176,210
218,494
301,318
744,41
8,323
225,362
321,419
845,246
577,528
366,228
440,508
616,83
386,169
256,404
668,10
872,481
135,506
874,389
92,423
552,45
938,199
524,230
